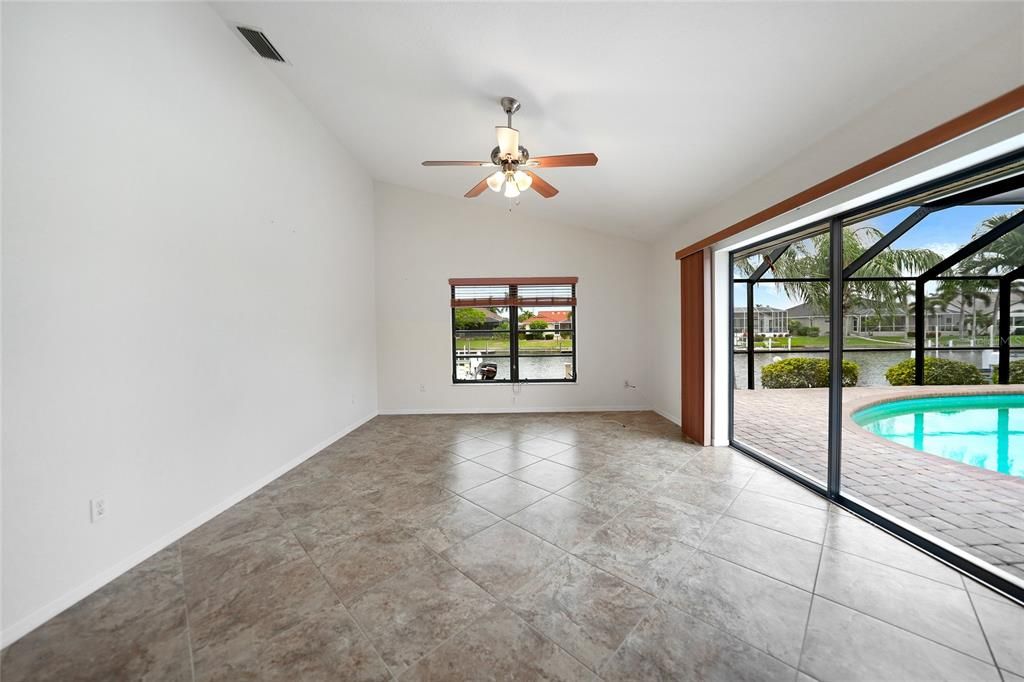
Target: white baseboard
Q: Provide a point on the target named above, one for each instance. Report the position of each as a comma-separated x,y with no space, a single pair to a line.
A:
17,630
675,420
515,409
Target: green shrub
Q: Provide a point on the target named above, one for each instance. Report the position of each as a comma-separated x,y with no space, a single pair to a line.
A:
1016,372
805,373
470,318
796,328
937,372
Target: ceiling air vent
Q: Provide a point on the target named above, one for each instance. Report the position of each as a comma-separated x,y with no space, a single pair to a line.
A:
260,43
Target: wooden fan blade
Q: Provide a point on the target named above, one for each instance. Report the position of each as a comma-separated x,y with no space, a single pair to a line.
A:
564,160
478,189
457,163
540,185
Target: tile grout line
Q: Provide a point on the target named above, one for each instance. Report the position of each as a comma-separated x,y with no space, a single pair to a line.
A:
814,593
548,639
897,568
650,607
655,598
501,601
777,530
758,571
658,600
903,629
882,620
717,628
359,626
459,631
984,634
188,622
495,600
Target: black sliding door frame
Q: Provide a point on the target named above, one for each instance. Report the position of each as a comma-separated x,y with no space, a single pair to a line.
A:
935,196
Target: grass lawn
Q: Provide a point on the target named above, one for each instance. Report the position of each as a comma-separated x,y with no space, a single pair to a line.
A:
980,341
525,345
849,342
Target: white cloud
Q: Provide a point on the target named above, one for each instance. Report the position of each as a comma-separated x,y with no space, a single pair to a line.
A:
942,248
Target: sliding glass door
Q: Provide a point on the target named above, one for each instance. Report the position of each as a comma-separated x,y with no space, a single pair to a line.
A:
878,358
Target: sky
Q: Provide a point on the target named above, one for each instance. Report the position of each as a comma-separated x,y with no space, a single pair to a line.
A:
943,232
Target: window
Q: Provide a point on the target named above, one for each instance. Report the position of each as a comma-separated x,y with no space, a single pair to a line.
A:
513,330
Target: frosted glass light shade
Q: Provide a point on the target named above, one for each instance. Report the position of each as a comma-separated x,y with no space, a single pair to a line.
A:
508,142
494,181
522,180
511,191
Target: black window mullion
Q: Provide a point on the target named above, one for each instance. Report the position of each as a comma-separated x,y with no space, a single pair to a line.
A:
835,346
513,341
455,345
575,370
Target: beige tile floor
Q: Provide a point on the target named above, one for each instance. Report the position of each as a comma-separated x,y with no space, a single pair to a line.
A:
564,546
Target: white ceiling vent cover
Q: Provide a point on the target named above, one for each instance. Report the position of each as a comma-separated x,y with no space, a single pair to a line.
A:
259,42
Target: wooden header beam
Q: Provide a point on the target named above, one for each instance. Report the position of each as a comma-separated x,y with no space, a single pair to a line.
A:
1001,106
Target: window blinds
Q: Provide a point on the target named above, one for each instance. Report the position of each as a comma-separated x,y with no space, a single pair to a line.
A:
546,294
481,296
513,291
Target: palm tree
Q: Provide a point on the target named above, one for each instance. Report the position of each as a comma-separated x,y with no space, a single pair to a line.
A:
810,258
966,292
1002,255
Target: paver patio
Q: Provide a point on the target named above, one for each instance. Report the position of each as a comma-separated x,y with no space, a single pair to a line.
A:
977,510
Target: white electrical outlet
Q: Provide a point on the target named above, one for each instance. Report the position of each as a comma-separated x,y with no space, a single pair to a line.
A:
97,509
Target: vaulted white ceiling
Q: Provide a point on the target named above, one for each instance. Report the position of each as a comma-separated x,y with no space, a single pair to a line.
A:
683,103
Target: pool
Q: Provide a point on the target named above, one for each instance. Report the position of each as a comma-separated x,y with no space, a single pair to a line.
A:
985,431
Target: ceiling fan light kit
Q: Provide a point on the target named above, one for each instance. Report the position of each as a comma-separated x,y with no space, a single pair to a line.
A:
495,180
508,142
510,156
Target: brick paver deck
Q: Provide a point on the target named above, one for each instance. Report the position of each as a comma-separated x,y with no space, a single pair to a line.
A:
977,510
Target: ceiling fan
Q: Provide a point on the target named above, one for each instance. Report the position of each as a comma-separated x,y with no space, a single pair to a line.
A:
514,162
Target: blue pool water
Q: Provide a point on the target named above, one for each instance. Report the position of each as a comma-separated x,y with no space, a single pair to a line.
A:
985,431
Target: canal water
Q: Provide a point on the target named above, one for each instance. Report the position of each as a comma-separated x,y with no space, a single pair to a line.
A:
532,368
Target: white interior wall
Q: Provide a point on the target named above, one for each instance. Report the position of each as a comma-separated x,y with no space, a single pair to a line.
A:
187,287
991,69
423,239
